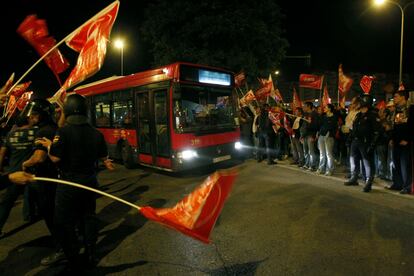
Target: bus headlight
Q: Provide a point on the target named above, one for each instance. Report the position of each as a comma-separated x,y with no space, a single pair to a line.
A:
187,154
238,146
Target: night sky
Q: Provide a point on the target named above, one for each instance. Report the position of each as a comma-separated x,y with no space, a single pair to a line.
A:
365,39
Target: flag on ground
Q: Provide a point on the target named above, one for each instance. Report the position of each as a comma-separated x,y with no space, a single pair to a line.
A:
197,213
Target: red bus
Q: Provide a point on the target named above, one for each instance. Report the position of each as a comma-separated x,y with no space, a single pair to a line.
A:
177,117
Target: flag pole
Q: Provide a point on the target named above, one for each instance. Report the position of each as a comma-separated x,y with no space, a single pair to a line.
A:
73,184
57,45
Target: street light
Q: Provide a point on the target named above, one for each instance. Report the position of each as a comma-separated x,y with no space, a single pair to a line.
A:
119,44
402,9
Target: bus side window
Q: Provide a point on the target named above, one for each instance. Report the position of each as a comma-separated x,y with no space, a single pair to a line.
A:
122,114
102,113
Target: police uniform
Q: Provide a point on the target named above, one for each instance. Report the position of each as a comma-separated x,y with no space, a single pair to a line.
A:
78,145
364,135
401,175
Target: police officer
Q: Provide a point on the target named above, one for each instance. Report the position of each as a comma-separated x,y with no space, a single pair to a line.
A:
41,113
364,135
77,147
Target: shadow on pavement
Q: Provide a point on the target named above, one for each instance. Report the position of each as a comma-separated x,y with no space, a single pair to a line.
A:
26,257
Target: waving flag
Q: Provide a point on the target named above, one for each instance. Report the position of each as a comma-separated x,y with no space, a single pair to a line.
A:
247,98
240,79
6,87
286,125
264,90
401,87
381,105
20,89
344,82
311,81
325,98
36,33
366,83
296,102
274,92
90,41
197,213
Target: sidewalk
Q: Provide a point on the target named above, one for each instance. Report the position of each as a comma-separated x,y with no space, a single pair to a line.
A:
339,175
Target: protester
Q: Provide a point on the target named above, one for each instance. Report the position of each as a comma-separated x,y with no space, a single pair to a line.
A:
326,138
266,134
308,135
297,148
400,141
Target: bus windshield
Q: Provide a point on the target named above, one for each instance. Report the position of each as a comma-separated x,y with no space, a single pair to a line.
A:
203,109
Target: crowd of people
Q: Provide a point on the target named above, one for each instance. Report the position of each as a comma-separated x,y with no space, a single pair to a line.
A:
369,141
37,144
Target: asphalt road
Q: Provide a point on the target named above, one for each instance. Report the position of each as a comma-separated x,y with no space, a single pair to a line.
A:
279,220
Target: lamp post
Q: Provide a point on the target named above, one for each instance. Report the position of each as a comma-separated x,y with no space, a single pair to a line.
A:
402,9
120,45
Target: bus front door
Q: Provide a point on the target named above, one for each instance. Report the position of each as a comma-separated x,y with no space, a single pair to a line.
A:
153,129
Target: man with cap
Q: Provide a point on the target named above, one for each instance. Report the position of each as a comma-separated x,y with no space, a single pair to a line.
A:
77,147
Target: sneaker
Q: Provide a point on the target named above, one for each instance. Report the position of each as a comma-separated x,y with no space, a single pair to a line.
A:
405,191
53,259
318,171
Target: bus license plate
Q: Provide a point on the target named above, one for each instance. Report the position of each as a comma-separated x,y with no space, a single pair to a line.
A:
221,158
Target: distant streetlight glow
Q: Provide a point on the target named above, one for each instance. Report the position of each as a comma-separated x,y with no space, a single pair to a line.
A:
402,9
277,72
119,44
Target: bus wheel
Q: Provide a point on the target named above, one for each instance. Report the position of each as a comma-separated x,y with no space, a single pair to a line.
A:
126,154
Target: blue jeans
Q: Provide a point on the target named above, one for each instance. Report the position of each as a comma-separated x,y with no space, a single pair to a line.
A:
309,152
326,159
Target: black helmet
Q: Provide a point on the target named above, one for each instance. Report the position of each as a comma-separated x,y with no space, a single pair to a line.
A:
76,109
366,100
39,106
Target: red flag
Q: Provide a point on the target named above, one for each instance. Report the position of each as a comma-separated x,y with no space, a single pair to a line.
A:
19,89
90,41
344,82
401,87
311,81
36,33
286,125
274,92
23,100
366,82
342,102
381,105
276,117
247,98
264,90
197,213
325,98
239,79
296,103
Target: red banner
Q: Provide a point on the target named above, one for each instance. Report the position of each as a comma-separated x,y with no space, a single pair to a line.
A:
366,83
197,213
265,88
36,33
310,81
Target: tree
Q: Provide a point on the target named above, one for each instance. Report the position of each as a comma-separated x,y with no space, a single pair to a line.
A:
238,35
